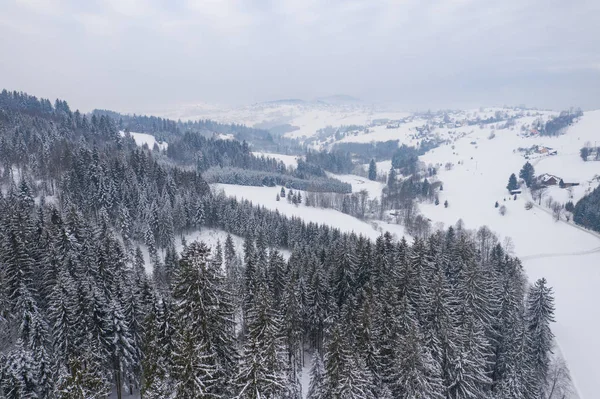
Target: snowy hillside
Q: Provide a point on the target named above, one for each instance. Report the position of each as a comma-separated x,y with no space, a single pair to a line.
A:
265,196
148,139
288,160
305,118
474,164
565,254
360,183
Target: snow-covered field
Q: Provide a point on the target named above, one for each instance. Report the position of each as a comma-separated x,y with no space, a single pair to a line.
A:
144,138
575,280
288,160
265,196
565,254
382,133
360,183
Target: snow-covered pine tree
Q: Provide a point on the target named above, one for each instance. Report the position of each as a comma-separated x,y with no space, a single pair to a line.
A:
204,324
346,375
317,378
372,170
121,347
415,374
263,365
539,314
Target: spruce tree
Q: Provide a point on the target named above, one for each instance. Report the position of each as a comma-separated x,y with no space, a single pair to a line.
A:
539,315
372,170
527,173
205,325
317,378
512,183
262,368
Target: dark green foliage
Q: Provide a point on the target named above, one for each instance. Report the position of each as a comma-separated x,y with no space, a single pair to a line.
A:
558,124
254,178
512,183
372,170
569,207
405,159
364,152
527,173
539,315
587,211
334,161
584,153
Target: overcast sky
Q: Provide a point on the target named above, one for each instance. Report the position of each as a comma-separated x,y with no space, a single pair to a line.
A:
146,55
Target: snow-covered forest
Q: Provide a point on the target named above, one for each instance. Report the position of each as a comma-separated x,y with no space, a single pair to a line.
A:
449,315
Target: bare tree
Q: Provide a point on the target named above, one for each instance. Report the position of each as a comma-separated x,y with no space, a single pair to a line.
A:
557,210
509,246
363,197
486,240
502,210
559,384
539,193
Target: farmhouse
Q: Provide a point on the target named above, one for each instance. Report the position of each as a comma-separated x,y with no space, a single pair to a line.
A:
546,151
549,180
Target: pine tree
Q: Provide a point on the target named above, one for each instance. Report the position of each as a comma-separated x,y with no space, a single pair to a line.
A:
416,374
205,325
512,183
317,378
19,374
318,308
194,367
345,374
468,378
250,279
121,345
62,313
539,315
154,378
262,370
372,170
292,327
83,379
527,173
344,274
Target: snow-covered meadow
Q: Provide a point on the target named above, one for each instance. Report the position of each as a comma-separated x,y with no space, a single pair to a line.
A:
565,254
288,160
266,196
145,138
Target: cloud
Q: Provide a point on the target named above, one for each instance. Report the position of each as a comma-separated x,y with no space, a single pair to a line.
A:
137,54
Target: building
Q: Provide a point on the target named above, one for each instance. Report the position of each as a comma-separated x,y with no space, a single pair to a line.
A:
549,180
